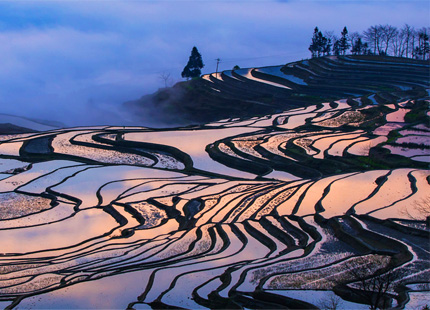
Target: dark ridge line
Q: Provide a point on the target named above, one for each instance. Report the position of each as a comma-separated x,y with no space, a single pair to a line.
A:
60,156
167,262
335,135
414,189
252,188
149,180
221,194
262,238
177,154
47,174
65,248
120,149
250,200
77,201
190,272
234,162
31,136
390,223
272,198
261,265
226,243
245,197
302,237
53,203
176,278
275,163
337,262
126,264
172,213
401,253
395,261
292,302
111,145
380,181
307,250
328,156
318,206
174,152
73,257
292,167
137,242
200,300
302,196
276,79
44,142
277,233
163,186
313,148
42,224
369,137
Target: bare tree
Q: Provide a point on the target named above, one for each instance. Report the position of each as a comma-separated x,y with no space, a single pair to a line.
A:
373,37
423,47
330,35
165,77
330,303
408,33
388,33
331,40
421,211
354,36
373,284
414,38
399,43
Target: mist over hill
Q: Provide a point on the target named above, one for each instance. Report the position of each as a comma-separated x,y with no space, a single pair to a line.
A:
258,91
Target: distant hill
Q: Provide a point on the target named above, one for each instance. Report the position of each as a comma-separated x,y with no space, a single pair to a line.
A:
10,124
259,91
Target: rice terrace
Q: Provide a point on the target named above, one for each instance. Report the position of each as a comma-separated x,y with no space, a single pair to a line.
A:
297,186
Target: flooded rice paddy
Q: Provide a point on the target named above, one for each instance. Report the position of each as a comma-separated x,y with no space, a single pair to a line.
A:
224,215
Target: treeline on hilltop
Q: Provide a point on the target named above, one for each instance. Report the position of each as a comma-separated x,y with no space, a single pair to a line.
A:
376,40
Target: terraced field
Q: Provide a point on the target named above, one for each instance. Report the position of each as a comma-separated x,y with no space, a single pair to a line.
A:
283,210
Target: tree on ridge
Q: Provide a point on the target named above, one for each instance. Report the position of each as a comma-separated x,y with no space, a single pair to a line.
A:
343,41
194,65
320,44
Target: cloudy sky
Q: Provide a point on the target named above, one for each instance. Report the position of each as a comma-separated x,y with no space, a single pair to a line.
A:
77,61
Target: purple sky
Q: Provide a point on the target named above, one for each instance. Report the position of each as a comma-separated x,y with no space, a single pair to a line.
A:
76,61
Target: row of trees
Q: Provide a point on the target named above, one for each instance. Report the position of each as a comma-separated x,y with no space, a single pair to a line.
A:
376,40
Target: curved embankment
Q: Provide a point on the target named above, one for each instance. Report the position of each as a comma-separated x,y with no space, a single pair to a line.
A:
237,213
258,91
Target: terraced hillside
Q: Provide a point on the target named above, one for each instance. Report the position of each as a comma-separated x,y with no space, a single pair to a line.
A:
280,211
259,91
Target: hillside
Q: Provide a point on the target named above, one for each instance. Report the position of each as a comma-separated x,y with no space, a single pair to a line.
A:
293,209
15,124
259,91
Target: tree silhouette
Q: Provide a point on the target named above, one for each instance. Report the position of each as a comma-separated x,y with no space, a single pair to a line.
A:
336,47
314,48
359,48
344,41
372,284
320,45
376,40
165,77
194,65
423,47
